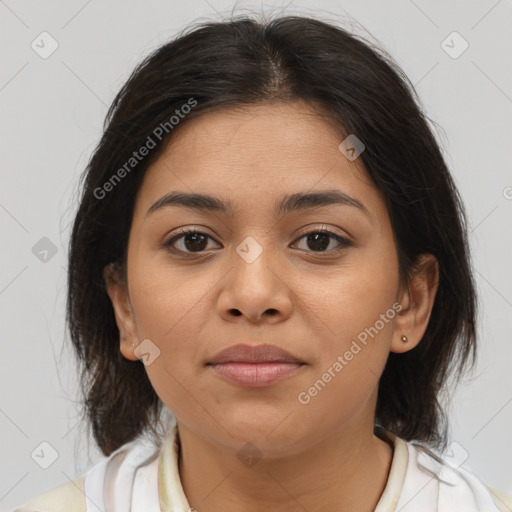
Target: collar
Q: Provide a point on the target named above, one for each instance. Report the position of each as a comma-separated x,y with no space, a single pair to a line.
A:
170,491
418,479
173,499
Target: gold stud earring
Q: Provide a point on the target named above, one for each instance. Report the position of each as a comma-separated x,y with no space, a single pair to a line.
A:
404,339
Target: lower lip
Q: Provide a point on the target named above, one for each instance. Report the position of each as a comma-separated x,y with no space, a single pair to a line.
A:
256,375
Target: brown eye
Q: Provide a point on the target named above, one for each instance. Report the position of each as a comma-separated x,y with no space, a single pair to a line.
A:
320,239
196,242
193,241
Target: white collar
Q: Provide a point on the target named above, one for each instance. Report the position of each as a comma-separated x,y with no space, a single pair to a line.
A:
420,479
139,477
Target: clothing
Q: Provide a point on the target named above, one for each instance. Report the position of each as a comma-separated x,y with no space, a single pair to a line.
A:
139,477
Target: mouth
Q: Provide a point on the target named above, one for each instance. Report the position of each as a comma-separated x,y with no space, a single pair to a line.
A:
255,366
256,375
242,353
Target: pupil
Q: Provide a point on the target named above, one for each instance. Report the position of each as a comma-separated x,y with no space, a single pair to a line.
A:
194,245
316,242
315,238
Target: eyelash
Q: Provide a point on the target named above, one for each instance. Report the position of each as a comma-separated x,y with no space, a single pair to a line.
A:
344,243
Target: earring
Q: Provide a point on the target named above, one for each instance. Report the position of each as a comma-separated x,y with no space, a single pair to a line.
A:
404,339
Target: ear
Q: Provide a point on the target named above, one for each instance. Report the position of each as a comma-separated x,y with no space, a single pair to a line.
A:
117,290
417,301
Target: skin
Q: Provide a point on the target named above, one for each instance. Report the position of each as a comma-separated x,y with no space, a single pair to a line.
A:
313,304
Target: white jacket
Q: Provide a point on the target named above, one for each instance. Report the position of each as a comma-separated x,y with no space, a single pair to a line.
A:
139,477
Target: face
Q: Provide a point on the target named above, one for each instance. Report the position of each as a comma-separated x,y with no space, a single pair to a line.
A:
256,274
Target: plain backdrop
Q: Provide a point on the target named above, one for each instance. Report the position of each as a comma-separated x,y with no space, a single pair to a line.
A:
52,110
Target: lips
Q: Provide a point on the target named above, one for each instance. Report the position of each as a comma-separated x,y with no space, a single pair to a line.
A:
256,375
255,366
243,353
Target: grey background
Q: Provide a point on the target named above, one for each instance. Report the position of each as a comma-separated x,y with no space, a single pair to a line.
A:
52,112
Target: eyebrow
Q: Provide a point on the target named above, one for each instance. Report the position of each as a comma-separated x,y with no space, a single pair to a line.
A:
298,201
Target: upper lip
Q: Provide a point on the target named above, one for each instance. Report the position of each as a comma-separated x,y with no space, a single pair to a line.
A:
254,354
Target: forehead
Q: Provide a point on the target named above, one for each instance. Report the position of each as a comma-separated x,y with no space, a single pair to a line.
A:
263,130
257,154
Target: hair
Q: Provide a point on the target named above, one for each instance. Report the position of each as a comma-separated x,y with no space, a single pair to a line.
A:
243,62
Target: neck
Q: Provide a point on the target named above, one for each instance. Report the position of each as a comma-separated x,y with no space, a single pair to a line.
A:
347,470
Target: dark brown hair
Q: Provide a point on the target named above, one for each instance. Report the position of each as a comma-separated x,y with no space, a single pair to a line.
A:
238,63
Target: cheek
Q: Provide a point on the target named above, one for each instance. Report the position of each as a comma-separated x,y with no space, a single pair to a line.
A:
173,308
356,309
169,312
356,322
166,300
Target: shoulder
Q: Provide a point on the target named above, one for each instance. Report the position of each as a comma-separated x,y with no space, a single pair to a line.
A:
460,482
503,501
117,472
68,497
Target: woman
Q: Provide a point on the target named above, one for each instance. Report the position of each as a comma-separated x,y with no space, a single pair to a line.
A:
270,245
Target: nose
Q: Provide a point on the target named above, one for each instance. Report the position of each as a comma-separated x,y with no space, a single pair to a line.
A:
255,286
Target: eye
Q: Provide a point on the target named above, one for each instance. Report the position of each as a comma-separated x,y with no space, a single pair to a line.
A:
319,239
193,241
